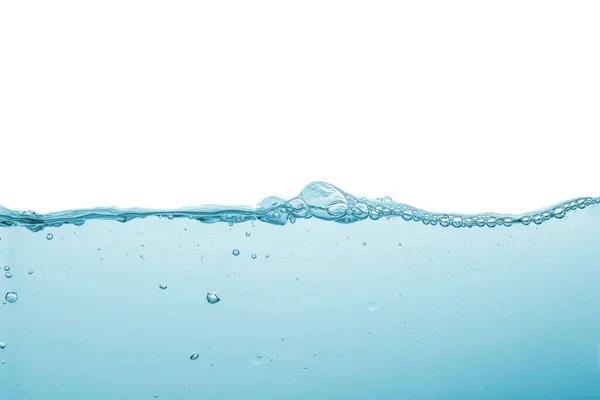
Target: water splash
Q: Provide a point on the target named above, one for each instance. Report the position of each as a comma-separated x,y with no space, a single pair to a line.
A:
317,200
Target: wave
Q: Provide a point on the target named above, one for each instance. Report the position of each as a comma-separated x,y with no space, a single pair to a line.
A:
317,200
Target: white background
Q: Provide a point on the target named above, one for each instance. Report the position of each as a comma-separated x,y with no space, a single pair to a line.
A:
447,106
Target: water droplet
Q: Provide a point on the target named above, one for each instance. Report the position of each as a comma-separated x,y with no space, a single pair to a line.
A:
163,287
11,297
49,236
235,252
8,274
30,272
267,256
6,268
253,256
248,233
2,345
194,356
212,298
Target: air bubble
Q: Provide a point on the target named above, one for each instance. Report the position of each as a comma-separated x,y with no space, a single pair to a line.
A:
360,210
324,200
194,356
49,236
235,252
11,297
8,275
337,209
267,256
2,345
6,268
559,212
299,207
253,256
163,287
212,298
30,272
364,243
248,233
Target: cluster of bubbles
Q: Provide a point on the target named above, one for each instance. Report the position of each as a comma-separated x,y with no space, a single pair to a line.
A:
317,200
324,201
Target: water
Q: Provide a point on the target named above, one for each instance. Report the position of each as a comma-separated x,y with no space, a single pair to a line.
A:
431,306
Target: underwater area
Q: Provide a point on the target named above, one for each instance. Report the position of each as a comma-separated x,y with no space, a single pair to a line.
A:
323,296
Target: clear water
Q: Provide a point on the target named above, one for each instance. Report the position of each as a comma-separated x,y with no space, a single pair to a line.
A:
355,300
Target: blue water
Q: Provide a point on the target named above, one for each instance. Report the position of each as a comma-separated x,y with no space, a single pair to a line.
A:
329,297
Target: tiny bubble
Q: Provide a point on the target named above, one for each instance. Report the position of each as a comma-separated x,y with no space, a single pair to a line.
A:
267,256
212,298
30,272
253,256
194,356
364,243
8,274
163,287
6,268
235,252
248,233
49,236
2,345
